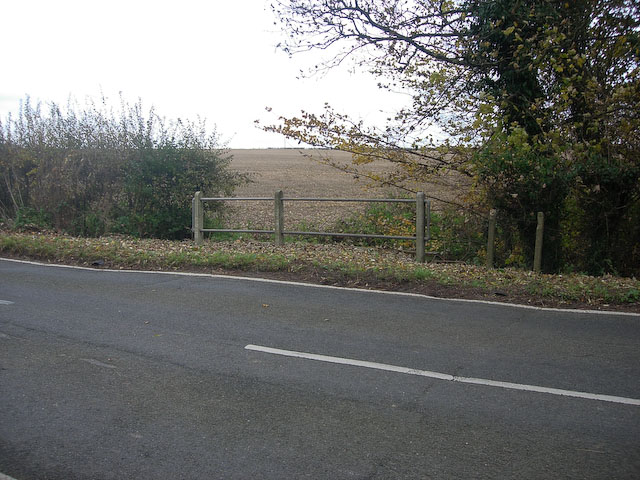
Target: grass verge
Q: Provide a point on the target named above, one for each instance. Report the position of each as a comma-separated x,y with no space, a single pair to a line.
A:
335,264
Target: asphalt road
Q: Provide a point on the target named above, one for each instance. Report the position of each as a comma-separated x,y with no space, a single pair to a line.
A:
113,375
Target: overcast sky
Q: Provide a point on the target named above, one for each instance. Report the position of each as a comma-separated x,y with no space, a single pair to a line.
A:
213,58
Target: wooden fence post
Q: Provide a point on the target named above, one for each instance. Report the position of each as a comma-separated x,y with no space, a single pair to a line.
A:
428,238
279,218
197,218
491,238
537,257
420,224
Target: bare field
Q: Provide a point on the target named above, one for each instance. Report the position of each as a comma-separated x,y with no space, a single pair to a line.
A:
299,173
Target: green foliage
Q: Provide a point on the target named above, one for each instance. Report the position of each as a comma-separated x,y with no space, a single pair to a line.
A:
393,219
305,226
90,171
211,221
30,217
564,78
537,100
454,235
519,179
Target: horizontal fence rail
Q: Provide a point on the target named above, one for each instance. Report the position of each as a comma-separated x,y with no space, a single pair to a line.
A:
231,199
358,200
423,223
423,219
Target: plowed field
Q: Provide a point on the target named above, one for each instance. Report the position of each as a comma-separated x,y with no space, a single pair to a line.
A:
300,173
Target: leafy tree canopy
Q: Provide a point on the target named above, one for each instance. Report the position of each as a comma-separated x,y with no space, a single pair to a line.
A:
539,101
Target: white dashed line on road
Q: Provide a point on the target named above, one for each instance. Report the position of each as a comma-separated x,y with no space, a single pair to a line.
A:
445,376
5,302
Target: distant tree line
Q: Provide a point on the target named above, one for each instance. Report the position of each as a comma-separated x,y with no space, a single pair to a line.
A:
89,170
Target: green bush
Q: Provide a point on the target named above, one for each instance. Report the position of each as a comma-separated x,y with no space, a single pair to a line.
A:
88,171
454,234
394,219
459,236
27,216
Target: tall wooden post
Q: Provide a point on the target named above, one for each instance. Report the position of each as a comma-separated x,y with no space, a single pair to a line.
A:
491,238
279,218
197,218
420,224
428,213
537,257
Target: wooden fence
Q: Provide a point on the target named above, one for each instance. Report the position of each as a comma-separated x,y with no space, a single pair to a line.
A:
423,219
423,223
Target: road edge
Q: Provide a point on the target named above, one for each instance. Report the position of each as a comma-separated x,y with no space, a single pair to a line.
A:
332,287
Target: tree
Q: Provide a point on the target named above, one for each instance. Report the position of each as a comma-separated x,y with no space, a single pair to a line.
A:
538,100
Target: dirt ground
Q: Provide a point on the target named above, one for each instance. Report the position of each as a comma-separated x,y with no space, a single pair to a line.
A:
300,173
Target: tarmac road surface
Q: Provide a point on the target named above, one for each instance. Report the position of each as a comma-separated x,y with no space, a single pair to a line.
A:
113,375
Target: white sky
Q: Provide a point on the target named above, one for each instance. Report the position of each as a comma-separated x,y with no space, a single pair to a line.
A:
213,58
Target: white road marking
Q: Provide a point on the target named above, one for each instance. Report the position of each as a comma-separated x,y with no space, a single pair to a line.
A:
97,363
444,376
5,302
332,287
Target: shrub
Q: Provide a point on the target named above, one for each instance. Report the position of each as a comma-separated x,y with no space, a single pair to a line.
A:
26,217
89,171
455,235
394,219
